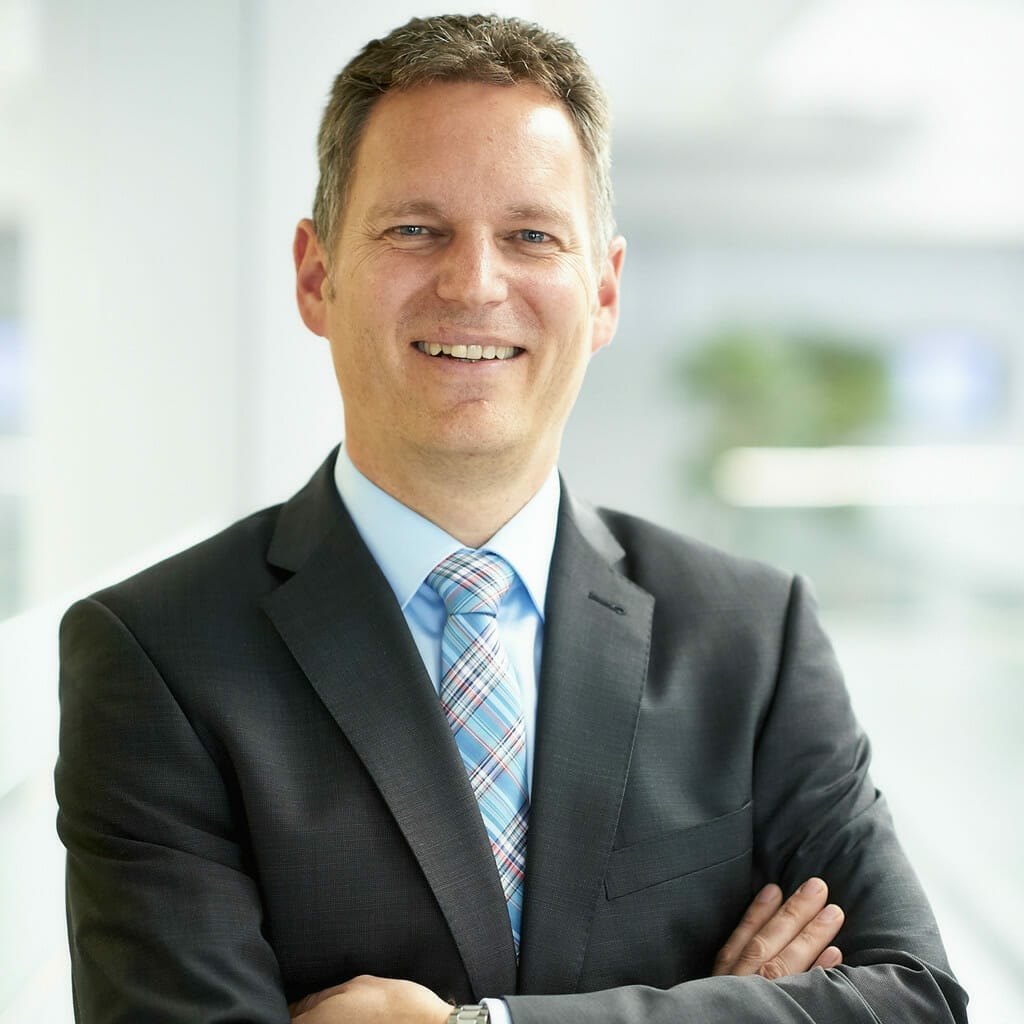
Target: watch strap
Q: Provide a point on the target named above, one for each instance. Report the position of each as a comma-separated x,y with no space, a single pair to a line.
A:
470,1013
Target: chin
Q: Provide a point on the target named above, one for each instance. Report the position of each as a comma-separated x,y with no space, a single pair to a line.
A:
474,443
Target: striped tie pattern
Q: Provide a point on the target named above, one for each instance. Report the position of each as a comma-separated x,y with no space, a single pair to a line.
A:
480,696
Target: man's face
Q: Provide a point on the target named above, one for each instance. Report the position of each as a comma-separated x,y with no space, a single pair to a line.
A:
463,302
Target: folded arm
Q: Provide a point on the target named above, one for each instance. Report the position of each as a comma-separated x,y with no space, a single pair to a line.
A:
773,939
164,915
816,813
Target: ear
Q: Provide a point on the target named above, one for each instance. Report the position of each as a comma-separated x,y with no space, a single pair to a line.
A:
606,315
312,283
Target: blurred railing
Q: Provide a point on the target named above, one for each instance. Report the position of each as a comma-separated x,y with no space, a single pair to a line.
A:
34,974
35,979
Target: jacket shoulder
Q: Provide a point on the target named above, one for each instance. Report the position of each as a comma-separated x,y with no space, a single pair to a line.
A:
231,562
664,561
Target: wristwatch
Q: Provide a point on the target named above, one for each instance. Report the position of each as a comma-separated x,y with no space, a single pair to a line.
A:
473,1013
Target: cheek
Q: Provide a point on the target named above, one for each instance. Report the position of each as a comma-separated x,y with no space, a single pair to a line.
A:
345,367
561,306
376,282
574,328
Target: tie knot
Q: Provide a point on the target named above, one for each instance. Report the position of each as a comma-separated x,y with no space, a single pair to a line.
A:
472,581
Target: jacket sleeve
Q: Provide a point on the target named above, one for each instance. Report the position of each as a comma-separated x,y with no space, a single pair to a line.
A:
164,918
817,812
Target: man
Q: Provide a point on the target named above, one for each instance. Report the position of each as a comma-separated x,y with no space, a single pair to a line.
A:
311,769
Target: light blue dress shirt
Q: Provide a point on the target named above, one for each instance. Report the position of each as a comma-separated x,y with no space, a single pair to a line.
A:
406,547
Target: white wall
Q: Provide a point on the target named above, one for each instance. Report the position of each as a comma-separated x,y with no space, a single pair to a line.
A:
133,226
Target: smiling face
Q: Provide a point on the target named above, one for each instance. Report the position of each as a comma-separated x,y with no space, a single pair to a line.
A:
463,301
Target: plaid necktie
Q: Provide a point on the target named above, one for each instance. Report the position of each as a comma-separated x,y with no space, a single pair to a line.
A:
480,696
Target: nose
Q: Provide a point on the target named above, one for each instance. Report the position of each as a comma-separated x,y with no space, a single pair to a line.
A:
472,272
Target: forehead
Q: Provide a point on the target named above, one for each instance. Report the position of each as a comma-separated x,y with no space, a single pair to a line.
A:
470,140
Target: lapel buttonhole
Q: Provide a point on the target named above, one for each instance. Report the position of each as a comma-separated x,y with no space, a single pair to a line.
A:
617,608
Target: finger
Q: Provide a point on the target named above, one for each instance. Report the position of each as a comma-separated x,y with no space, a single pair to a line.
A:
783,928
306,1003
809,945
756,916
831,957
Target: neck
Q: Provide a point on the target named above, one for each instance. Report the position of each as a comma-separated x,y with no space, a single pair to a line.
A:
470,497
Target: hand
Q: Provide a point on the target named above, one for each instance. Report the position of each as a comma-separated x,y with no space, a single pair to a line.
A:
775,939
366,999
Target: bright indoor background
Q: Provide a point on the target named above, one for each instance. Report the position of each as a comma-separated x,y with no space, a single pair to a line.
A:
820,361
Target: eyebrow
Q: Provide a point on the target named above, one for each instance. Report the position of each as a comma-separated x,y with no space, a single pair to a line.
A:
538,212
405,208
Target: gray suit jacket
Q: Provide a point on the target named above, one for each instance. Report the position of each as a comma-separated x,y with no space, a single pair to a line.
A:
260,795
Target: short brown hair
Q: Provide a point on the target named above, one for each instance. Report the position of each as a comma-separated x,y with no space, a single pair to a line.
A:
456,47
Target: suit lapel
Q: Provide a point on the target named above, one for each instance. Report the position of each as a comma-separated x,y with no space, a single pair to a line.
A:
597,634
345,629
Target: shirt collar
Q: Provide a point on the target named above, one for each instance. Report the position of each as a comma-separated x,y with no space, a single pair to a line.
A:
406,546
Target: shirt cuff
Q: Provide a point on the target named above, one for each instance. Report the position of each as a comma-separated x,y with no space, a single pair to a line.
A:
498,1010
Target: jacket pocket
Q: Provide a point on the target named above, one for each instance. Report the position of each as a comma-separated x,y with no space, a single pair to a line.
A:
636,867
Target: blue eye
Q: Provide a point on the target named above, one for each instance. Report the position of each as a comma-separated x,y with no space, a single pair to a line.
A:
411,230
529,235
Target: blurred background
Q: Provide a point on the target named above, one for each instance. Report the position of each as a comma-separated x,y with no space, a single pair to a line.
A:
823,338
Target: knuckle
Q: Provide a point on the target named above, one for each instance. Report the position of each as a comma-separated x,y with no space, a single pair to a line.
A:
755,951
774,969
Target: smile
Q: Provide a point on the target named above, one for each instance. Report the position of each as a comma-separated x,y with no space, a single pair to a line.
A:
468,353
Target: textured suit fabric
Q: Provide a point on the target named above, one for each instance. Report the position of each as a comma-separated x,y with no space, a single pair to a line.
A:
261,797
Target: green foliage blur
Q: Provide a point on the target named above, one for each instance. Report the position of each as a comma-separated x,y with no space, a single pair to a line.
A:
762,387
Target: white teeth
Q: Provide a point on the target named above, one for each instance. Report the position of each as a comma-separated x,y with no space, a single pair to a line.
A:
467,352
